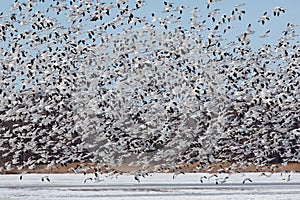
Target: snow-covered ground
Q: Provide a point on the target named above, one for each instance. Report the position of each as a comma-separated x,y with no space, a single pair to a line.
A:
154,186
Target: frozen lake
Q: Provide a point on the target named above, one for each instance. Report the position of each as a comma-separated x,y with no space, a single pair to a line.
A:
154,186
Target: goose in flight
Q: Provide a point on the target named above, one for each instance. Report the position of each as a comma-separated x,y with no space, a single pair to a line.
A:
22,174
45,178
202,177
96,179
278,10
287,179
222,180
266,175
177,173
247,179
266,34
264,18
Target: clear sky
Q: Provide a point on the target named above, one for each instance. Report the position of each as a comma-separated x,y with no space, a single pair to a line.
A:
254,9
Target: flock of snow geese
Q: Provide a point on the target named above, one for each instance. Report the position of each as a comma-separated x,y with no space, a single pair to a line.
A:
114,83
204,179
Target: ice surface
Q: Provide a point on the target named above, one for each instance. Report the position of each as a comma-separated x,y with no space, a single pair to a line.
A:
154,186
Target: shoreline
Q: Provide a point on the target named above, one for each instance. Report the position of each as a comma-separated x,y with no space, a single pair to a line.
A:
78,167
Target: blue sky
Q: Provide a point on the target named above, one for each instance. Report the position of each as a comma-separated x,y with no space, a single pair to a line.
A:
254,9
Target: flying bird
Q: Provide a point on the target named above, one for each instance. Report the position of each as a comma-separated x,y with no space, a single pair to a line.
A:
278,10
247,179
264,18
45,178
266,34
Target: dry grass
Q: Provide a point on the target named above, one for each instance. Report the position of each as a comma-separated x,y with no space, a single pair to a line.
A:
212,168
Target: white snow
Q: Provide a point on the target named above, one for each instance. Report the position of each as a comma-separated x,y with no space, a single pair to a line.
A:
154,186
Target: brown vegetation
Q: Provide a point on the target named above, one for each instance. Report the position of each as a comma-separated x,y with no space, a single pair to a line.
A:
225,167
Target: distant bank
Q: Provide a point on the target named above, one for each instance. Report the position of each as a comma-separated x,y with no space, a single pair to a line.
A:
225,167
